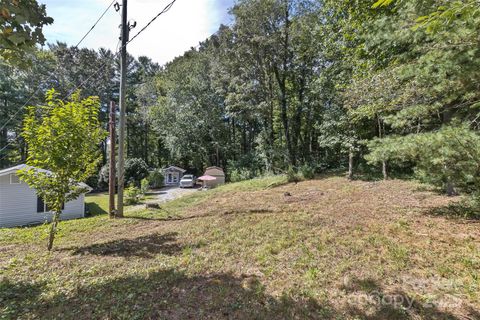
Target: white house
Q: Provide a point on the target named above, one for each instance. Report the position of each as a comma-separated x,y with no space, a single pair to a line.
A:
20,205
173,175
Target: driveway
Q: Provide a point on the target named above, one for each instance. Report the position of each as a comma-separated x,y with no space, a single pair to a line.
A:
168,193
162,195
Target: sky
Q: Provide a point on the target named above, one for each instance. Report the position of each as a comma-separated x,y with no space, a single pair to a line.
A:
186,24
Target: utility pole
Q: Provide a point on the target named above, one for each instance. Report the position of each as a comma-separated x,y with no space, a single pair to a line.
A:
111,175
121,131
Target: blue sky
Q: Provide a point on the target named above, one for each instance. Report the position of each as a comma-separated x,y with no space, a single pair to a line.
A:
186,24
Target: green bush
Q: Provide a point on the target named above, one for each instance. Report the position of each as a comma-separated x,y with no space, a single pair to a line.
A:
135,170
132,195
240,174
156,178
103,174
307,172
144,186
292,175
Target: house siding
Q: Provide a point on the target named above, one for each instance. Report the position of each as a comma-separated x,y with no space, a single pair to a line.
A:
177,172
18,205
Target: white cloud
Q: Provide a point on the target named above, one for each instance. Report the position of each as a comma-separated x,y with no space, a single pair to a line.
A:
186,24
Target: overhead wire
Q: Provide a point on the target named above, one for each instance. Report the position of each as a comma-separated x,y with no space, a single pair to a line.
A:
165,9
51,76
118,50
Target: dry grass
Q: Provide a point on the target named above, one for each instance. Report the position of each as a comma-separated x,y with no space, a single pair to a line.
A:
332,250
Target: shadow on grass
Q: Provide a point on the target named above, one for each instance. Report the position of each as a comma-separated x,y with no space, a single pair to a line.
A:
170,294
15,296
144,247
166,294
93,209
394,304
458,210
155,193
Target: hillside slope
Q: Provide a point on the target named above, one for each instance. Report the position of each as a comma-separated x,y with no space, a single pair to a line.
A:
320,249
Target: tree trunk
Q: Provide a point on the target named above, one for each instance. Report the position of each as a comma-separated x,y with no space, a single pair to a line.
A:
350,165
244,139
284,111
384,170
297,125
282,83
450,189
145,154
380,135
449,186
53,230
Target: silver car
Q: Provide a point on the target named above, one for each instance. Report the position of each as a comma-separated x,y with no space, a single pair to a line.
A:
188,181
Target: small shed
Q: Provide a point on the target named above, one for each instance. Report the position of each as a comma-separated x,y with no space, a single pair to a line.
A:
216,172
172,175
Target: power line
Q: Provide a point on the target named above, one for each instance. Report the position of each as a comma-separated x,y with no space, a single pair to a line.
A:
5,147
165,9
51,76
95,24
69,93
119,48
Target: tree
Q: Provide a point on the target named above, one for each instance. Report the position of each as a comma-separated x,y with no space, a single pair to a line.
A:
21,22
425,87
63,138
450,155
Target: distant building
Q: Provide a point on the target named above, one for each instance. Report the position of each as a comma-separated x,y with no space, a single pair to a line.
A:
20,205
216,172
172,175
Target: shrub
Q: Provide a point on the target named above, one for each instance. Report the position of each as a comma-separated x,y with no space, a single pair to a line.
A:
93,180
156,178
308,173
144,185
240,174
246,167
292,175
103,174
132,195
135,170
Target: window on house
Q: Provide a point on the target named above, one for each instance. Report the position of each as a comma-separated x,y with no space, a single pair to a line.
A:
14,179
40,205
43,207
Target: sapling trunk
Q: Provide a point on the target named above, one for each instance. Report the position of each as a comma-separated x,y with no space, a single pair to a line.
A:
384,170
350,165
53,230
450,189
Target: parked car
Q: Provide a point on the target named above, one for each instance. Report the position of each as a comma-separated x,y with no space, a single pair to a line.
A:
188,181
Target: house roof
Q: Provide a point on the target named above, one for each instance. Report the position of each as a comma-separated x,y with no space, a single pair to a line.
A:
174,168
14,169
7,171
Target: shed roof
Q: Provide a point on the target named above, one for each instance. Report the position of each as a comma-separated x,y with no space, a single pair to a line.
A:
214,171
174,168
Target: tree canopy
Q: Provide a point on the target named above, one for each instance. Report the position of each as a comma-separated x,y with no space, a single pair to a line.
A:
291,83
21,22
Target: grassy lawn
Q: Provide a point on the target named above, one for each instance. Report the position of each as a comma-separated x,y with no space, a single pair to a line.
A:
260,249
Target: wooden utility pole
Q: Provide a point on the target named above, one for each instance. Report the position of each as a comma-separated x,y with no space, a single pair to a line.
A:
111,175
121,122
